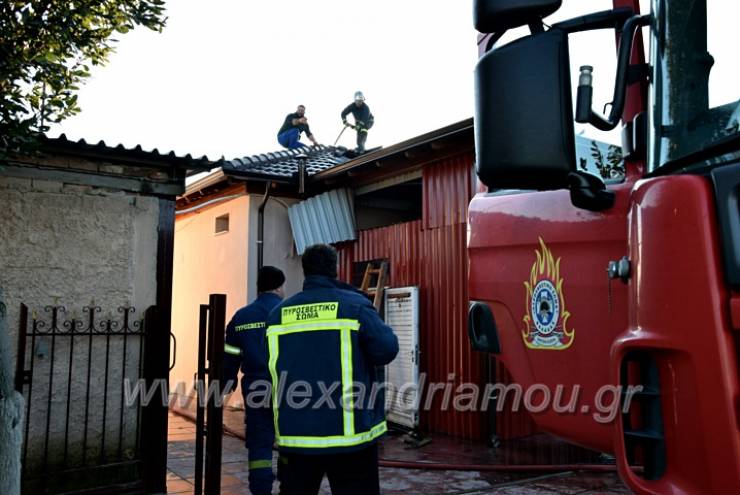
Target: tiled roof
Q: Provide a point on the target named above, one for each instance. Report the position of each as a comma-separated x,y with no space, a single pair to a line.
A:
284,164
120,152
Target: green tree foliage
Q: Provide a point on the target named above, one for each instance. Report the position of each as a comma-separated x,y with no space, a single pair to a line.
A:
46,51
610,166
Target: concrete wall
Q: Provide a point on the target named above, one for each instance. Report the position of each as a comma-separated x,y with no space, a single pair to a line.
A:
206,263
72,245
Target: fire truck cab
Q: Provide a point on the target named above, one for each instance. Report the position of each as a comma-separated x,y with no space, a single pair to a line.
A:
585,283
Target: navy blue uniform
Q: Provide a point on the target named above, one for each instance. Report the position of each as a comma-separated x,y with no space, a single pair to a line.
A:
364,120
245,349
324,344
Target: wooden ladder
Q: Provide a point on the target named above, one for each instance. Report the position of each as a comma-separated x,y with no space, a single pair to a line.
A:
380,271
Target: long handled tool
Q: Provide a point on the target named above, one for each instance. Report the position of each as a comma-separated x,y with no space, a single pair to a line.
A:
342,131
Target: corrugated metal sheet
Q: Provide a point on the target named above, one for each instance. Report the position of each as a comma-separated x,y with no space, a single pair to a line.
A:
510,424
448,187
432,253
436,261
326,218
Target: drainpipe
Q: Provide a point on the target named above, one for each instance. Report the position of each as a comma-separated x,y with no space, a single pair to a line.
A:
302,158
261,226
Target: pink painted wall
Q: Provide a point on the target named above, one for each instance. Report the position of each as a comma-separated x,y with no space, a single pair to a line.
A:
206,263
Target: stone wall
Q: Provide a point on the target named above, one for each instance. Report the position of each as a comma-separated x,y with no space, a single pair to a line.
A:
72,245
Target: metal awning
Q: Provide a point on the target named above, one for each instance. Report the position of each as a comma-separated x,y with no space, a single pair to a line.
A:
326,218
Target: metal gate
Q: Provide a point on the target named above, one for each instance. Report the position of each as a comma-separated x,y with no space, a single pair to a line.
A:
83,380
209,413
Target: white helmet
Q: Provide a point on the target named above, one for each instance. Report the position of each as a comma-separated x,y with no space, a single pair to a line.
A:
359,96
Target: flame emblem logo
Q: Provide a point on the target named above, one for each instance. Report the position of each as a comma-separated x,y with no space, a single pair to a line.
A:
546,319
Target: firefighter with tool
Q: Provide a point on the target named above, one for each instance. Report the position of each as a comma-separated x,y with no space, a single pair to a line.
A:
245,347
363,119
324,344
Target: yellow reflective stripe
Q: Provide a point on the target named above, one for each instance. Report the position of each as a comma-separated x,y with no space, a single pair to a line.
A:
260,464
345,327
272,347
337,324
347,399
315,311
333,441
233,350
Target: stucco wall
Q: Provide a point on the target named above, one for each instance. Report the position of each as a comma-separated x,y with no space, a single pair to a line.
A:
206,263
226,263
279,245
75,245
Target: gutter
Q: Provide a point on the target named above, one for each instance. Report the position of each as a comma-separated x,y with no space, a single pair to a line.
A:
261,226
207,203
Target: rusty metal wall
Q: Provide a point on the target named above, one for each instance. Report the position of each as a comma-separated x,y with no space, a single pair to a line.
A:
436,261
448,187
512,424
432,253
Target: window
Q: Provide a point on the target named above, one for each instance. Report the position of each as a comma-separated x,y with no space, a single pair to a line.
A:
222,224
696,110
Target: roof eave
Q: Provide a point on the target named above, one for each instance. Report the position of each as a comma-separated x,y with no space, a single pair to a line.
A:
449,131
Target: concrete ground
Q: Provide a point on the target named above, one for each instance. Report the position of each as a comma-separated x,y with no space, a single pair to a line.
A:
181,466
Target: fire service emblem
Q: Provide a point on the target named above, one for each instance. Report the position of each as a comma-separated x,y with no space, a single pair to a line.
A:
545,320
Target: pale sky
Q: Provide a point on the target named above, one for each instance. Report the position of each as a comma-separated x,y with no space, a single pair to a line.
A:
223,74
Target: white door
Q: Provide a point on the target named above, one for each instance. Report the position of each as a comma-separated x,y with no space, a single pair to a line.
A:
402,375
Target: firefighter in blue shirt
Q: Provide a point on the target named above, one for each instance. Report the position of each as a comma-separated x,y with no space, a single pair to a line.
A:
245,348
324,344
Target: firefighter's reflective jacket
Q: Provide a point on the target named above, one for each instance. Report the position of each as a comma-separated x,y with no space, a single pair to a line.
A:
324,344
245,341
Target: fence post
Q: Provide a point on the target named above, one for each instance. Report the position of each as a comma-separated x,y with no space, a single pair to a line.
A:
199,390
11,415
154,414
214,429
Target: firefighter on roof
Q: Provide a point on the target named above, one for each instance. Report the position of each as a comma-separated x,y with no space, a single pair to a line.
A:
363,119
294,124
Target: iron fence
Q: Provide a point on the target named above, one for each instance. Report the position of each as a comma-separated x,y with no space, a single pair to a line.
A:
81,375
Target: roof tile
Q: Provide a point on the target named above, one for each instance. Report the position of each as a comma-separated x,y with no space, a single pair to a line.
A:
284,163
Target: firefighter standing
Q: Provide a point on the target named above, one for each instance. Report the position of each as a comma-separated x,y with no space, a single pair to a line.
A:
324,344
245,348
364,119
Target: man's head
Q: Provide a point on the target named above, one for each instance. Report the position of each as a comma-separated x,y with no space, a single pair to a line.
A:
320,259
301,110
359,98
270,279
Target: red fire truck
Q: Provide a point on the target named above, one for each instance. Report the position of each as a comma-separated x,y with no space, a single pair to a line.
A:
633,282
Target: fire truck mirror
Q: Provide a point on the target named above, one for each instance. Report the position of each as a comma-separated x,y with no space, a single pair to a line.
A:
490,16
524,130
482,328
